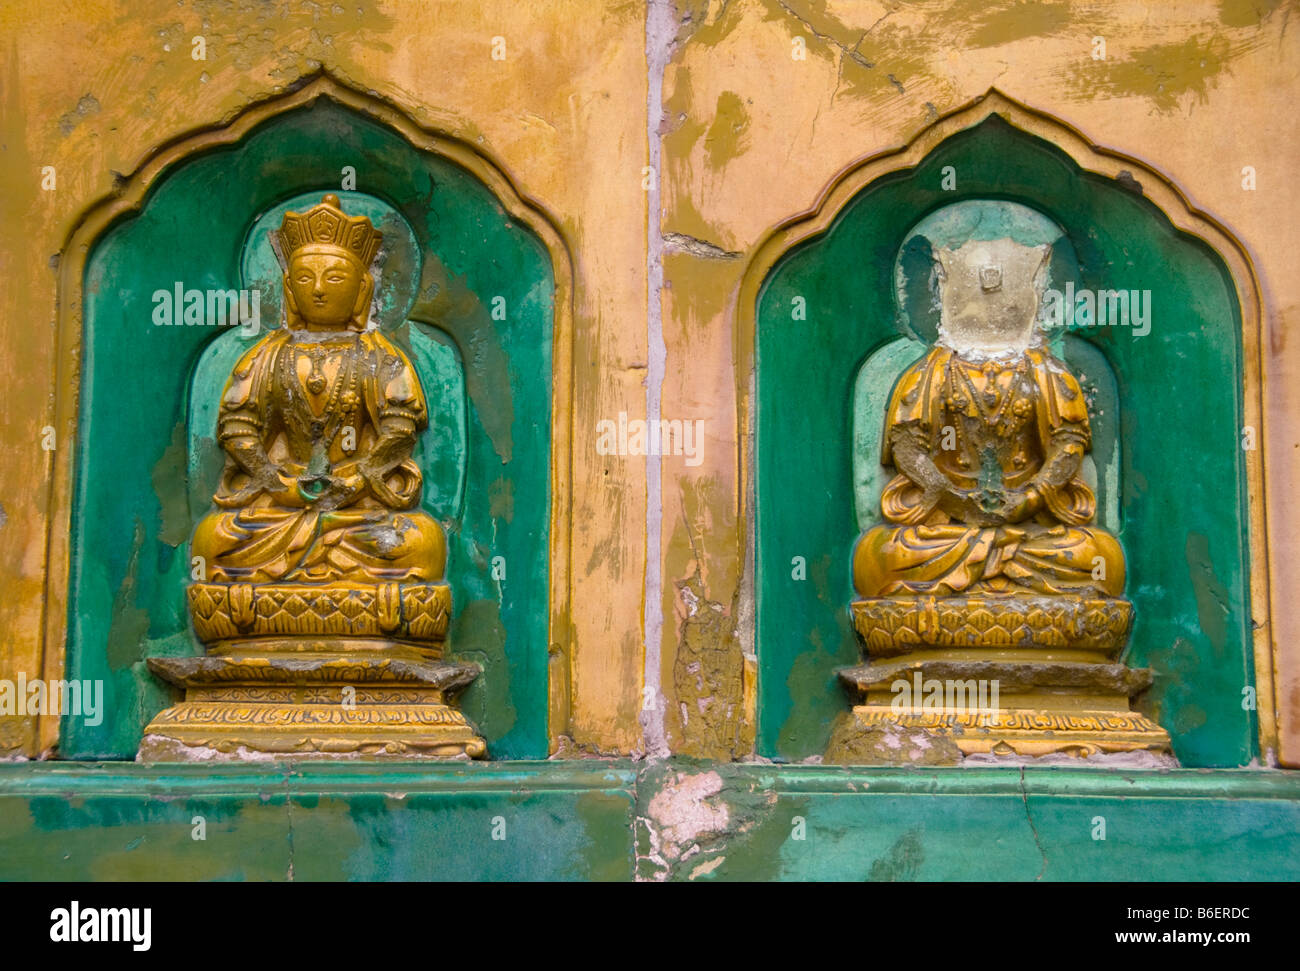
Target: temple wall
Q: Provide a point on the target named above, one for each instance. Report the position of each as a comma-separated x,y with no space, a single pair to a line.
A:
656,652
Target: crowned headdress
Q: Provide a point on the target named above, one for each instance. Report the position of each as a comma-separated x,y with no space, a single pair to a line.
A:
326,228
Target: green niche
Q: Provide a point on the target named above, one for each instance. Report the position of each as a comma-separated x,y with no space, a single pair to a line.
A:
1171,460
142,478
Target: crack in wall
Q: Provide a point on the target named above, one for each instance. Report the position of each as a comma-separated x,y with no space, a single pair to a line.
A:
850,52
1029,817
288,811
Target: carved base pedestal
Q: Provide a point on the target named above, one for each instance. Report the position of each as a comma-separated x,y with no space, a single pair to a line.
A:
1024,732
315,672
226,615
311,707
1007,675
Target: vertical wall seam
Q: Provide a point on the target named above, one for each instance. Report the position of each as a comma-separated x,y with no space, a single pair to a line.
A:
659,34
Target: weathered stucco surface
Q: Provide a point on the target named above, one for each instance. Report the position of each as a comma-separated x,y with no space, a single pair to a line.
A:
93,89
753,135
614,820
749,138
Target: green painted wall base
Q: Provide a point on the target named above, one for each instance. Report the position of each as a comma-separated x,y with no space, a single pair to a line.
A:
618,820
336,821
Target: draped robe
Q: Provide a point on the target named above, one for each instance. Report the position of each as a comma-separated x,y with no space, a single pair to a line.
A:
1011,413
302,411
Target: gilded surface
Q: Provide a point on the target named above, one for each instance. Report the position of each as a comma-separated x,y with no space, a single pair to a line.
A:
895,625
988,432
317,549
318,422
418,612
988,542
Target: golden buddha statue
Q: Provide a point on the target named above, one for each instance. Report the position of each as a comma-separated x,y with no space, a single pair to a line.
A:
319,592
988,570
988,432
318,422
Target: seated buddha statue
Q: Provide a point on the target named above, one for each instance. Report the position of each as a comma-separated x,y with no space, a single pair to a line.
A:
317,422
987,433
990,605
321,606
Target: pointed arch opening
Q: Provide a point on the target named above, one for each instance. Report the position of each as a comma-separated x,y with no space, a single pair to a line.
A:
1191,500
494,280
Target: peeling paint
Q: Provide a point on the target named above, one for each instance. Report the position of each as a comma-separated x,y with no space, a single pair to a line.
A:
447,301
170,478
689,821
1172,75
87,106
708,675
129,624
502,499
727,136
681,243
903,861
852,744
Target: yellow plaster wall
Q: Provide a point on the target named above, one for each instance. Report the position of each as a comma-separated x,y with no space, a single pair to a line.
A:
749,138
1195,89
93,87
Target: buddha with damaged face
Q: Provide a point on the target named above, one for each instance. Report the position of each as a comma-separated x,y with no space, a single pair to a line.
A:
987,434
317,422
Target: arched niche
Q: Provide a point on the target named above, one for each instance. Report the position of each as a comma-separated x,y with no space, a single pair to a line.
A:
137,413
1182,394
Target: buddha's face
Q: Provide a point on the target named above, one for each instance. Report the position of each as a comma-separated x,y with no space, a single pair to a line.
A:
988,294
325,290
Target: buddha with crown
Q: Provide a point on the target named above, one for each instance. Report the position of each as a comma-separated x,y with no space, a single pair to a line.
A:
989,568
321,602
318,422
